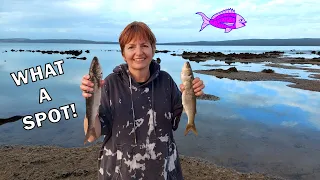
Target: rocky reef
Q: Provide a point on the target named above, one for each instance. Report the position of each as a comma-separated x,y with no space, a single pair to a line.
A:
204,56
74,53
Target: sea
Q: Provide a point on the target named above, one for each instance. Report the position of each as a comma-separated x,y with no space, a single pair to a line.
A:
259,126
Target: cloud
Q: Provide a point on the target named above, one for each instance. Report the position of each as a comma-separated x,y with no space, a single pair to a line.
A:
290,97
170,20
289,124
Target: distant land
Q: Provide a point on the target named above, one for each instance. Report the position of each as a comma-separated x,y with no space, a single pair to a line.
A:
240,42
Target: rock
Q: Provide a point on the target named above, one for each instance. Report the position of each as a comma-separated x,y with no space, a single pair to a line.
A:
87,51
203,56
72,57
71,52
82,58
229,58
267,71
232,69
10,119
162,51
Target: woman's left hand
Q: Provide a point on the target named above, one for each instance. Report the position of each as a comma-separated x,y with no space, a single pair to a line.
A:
197,86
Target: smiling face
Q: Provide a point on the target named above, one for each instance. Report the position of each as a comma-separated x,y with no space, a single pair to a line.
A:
138,54
240,21
138,44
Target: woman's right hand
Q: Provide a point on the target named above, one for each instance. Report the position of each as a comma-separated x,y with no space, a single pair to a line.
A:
87,86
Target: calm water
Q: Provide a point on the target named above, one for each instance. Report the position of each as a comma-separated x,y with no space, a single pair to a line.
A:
255,126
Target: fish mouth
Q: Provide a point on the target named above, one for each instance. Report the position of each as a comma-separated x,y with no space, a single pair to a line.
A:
95,60
95,64
187,64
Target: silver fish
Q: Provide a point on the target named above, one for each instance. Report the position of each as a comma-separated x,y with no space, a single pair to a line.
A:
189,97
93,102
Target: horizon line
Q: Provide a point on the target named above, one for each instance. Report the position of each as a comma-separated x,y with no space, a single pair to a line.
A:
105,41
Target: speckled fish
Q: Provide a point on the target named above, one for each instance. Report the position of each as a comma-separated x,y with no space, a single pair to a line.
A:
189,97
227,19
93,102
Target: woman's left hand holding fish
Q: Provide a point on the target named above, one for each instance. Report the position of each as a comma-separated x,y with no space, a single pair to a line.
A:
197,86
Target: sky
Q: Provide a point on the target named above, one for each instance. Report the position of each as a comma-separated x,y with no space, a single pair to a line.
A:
170,20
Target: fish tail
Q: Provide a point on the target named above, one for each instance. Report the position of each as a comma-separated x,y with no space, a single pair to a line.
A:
205,20
191,127
90,132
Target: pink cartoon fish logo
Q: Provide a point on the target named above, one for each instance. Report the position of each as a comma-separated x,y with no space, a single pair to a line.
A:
227,19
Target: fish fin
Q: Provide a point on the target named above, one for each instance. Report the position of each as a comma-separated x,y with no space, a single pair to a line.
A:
191,127
90,132
205,19
230,10
227,30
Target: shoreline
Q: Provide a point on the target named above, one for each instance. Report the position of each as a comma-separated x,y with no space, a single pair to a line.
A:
246,58
53,162
265,75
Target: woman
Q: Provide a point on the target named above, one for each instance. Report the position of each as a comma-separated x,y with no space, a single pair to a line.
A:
140,106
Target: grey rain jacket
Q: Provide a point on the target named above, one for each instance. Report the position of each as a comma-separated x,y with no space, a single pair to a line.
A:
137,121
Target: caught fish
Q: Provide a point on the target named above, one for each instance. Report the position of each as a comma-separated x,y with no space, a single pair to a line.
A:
227,19
93,102
189,97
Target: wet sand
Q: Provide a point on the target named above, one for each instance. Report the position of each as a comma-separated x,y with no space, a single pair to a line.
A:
293,67
312,85
48,162
315,76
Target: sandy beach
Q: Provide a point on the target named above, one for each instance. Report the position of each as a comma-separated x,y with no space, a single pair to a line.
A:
49,162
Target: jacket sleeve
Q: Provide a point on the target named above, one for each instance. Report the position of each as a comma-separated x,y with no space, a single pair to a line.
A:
105,113
177,108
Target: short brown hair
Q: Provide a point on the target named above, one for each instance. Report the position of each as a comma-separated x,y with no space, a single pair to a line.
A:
137,30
